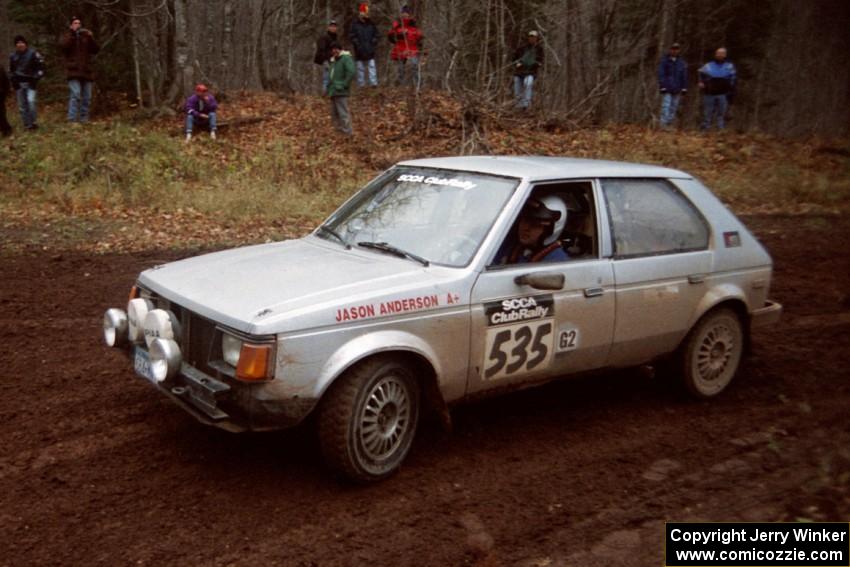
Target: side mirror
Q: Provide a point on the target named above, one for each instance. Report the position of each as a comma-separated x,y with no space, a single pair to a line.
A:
541,280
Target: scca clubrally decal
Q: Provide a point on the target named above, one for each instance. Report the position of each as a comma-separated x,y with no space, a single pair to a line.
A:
517,309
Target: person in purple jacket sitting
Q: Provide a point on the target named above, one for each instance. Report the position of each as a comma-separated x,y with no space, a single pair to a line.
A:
200,109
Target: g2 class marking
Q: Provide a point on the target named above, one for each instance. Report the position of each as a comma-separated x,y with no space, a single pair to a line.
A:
568,339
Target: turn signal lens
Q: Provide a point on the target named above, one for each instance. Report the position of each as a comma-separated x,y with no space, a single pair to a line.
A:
254,363
134,293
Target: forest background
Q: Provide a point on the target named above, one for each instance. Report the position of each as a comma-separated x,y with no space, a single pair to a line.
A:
601,55
128,182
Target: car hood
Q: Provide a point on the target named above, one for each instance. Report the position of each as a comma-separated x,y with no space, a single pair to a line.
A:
272,288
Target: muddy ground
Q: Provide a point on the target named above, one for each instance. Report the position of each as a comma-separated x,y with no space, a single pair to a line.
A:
96,468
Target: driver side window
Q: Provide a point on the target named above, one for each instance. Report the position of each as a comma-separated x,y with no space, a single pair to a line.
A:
556,224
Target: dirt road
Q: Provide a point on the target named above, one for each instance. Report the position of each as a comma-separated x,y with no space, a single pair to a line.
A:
96,468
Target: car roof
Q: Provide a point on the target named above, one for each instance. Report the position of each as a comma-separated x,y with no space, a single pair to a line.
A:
537,168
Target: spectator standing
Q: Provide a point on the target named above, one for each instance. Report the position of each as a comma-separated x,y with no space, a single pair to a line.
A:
201,110
339,87
718,81
364,38
527,61
79,47
5,89
407,44
26,68
672,82
323,51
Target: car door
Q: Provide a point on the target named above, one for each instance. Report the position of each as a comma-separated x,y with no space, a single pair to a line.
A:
522,333
661,256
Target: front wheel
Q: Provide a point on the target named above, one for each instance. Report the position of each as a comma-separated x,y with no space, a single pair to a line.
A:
368,419
711,354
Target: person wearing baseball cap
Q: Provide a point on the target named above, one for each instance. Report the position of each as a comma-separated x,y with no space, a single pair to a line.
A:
201,110
406,38
672,83
527,61
323,51
364,39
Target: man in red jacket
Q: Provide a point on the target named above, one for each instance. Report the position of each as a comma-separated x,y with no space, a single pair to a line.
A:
406,39
79,47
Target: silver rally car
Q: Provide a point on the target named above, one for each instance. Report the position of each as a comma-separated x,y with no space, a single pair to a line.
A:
416,295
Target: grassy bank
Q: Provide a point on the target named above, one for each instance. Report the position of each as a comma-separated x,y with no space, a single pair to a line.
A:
127,183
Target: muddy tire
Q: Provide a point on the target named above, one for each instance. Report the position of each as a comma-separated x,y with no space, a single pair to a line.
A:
368,419
710,356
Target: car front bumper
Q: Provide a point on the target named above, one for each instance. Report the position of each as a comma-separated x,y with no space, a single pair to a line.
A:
234,407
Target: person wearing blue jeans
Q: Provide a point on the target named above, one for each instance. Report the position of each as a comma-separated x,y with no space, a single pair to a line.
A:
718,82
79,47
26,95
673,84
408,71
523,90
201,110
323,52
527,61
26,68
364,39
79,100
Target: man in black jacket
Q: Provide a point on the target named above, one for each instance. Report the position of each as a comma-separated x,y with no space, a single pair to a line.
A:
26,68
364,38
5,87
323,52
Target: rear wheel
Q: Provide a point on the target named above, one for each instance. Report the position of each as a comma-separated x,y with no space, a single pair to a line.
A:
711,354
368,419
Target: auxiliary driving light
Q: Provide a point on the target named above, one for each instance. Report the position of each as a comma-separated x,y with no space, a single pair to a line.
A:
161,324
165,359
137,310
114,327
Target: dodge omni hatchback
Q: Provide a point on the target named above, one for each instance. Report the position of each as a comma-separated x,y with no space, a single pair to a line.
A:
445,279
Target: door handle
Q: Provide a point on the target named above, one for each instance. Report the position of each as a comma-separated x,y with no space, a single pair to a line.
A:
696,278
593,291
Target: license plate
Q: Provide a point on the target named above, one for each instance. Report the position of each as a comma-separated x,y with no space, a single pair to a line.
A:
142,364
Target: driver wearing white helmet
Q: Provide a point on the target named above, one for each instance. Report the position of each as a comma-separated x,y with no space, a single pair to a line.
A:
536,235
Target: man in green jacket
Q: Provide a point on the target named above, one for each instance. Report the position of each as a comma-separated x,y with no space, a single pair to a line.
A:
342,72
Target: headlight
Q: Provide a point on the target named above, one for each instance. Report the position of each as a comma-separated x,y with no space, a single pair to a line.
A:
253,362
231,347
137,310
114,327
165,359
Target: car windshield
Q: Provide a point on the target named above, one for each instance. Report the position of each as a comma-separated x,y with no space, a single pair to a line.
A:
427,215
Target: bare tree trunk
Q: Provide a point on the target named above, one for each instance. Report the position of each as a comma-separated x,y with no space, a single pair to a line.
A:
183,70
227,42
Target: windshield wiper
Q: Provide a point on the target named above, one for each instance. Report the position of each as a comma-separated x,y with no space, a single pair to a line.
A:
385,247
335,234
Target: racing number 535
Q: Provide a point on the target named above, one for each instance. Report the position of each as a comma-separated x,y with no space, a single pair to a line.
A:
518,348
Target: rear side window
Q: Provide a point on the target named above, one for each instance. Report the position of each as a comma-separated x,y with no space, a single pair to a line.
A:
651,216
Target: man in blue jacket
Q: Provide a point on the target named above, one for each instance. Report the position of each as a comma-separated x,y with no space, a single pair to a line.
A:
717,80
672,82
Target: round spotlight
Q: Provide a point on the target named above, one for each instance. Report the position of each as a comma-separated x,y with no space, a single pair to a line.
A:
165,359
137,310
114,327
160,323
